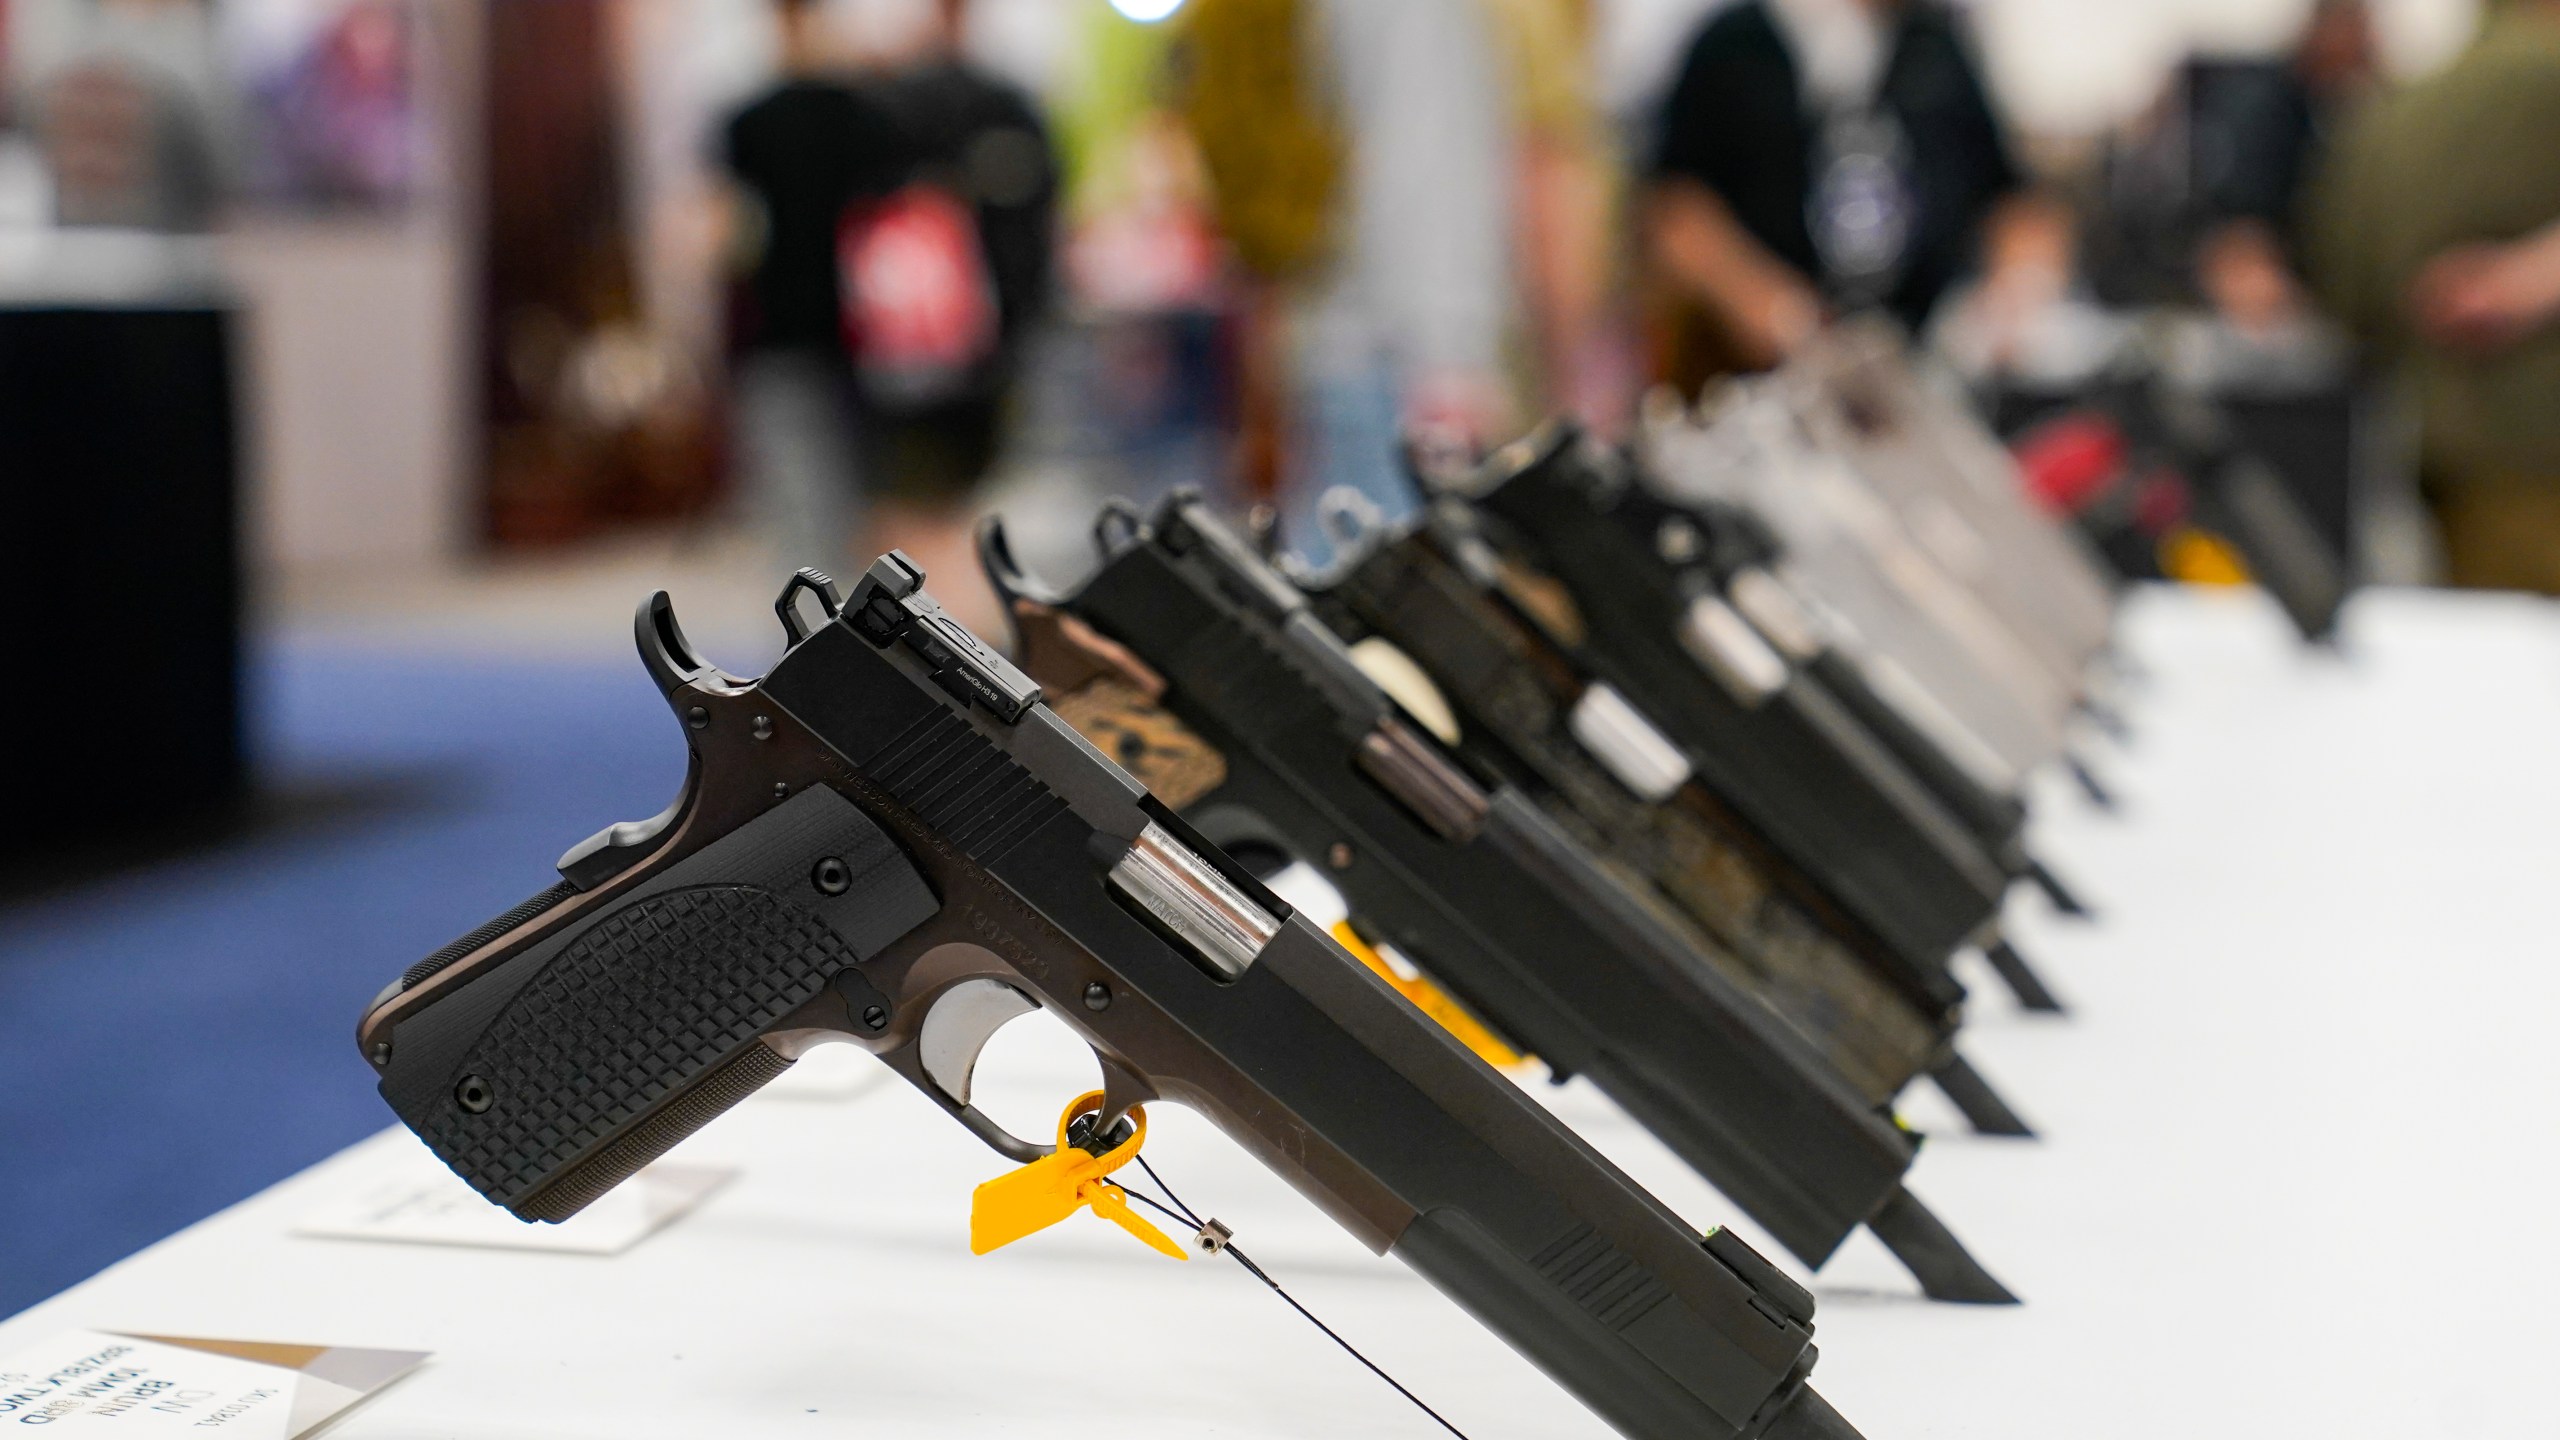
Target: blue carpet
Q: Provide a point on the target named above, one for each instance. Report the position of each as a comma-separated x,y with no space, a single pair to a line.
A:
177,1037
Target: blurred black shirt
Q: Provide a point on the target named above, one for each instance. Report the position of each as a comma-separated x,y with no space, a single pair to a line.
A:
2232,140
1738,122
983,141
806,150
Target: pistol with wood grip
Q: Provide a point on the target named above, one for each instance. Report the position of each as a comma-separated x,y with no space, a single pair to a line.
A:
1768,740
1518,704
889,840
1201,668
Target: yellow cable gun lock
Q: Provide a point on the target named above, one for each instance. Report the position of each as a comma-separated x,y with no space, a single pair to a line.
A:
1057,1185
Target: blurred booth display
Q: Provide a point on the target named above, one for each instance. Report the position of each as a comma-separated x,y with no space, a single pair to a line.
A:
119,555
592,416
339,114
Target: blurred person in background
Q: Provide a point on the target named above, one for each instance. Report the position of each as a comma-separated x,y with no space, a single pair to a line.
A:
2199,200
1143,265
132,110
1567,192
1360,164
802,155
1826,155
945,280
2272,140
2435,235
2193,206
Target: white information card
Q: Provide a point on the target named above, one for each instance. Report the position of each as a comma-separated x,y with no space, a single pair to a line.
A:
91,1383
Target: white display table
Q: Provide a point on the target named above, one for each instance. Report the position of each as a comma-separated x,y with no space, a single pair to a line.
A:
2294,1179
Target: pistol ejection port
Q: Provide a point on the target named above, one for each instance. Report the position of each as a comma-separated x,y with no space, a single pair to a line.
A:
1222,928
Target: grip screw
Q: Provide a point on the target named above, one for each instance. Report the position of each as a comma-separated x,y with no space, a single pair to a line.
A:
832,876
1097,996
1339,857
781,789
697,717
876,1017
474,1095
764,727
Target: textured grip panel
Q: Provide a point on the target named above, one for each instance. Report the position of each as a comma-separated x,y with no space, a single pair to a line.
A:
507,923
643,1003
586,1182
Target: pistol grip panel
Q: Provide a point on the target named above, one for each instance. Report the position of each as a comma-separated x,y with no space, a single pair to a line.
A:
550,1076
638,1007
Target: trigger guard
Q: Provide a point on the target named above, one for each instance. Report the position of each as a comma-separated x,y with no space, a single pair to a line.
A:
956,1028
1004,1142
1123,1090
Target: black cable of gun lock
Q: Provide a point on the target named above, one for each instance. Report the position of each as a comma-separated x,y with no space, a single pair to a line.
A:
1181,1214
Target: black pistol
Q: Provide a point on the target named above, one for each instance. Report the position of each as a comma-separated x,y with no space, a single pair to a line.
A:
889,840
1799,545
1766,738
1202,669
1732,552
2234,491
1518,704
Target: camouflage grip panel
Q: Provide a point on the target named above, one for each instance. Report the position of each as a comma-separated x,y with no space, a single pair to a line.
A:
1122,721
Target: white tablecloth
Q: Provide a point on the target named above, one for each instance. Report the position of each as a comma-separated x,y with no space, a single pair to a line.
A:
2294,1180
